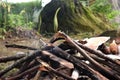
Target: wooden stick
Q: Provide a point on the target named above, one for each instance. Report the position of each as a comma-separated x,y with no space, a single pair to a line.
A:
59,36
54,71
82,66
24,73
37,76
4,59
61,61
20,46
100,54
31,56
100,68
25,66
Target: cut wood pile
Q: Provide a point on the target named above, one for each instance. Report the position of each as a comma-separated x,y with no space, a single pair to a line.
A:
68,60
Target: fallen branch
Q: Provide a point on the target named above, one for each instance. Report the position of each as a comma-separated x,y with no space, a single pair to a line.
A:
31,56
54,58
100,68
82,66
20,46
54,71
100,54
4,59
59,36
24,73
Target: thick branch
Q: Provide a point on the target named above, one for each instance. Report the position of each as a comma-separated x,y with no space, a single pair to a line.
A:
100,54
100,68
82,66
55,71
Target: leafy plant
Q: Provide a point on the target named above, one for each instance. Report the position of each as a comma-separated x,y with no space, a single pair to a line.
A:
104,7
15,20
30,25
2,32
113,14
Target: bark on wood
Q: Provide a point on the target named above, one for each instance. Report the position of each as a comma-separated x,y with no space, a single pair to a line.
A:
20,46
31,56
100,54
54,71
100,68
11,58
24,73
82,66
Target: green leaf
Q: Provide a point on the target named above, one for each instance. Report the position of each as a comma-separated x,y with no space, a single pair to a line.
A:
56,20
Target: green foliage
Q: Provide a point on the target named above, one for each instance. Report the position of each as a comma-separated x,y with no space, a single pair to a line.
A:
4,10
113,14
27,7
15,20
0,19
17,14
56,20
2,32
104,7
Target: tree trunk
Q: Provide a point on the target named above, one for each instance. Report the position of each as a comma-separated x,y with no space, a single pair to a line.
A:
72,18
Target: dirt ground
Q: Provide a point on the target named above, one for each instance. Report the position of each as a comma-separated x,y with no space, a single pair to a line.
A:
18,39
19,36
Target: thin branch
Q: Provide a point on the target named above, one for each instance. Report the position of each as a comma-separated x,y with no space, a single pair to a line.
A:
4,59
100,68
20,46
31,56
24,73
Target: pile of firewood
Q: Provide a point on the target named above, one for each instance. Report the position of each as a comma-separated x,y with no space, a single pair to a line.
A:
68,60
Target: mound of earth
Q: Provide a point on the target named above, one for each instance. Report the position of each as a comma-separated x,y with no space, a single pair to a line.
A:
20,32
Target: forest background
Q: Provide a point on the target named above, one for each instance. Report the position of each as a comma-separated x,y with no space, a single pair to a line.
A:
27,15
